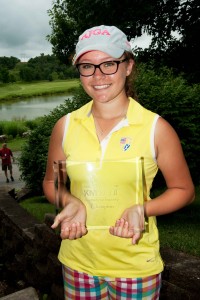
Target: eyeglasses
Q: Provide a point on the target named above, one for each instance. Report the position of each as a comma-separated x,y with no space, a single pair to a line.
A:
107,67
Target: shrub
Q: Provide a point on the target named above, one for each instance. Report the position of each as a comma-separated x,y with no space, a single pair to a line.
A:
177,102
13,128
31,124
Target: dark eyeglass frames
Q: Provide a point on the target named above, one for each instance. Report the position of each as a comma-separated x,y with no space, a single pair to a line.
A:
107,67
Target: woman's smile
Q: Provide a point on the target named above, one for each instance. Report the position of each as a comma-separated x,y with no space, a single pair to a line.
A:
101,87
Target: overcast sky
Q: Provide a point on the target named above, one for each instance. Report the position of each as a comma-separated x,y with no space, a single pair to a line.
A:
24,25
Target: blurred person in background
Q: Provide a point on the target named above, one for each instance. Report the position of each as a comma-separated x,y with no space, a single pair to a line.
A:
6,155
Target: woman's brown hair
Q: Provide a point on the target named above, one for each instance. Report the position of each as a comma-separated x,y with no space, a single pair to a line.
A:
130,80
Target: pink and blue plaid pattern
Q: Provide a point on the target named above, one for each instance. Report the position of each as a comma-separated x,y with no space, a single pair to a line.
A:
78,285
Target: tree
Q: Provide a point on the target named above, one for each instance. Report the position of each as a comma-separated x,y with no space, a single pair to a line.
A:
181,54
4,75
160,18
8,62
45,67
71,17
27,73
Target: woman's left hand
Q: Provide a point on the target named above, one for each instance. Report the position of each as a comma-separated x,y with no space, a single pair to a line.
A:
131,224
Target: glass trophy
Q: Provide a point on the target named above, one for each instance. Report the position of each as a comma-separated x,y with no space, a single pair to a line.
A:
60,180
106,187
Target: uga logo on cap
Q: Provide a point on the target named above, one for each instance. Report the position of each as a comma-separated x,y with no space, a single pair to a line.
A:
97,31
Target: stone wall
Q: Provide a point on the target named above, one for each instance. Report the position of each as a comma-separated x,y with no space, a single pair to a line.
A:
29,256
29,251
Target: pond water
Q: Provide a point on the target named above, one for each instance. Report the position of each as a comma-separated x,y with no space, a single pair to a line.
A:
30,108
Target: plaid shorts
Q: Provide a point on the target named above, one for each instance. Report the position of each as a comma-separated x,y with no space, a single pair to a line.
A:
78,285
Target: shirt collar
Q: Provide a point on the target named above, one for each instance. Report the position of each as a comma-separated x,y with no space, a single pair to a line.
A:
134,113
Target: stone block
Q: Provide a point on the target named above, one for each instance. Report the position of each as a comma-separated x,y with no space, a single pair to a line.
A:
26,294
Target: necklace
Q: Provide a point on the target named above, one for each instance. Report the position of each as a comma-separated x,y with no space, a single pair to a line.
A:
99,130
108,124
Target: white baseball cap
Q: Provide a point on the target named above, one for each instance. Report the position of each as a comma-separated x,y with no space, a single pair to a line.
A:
108,39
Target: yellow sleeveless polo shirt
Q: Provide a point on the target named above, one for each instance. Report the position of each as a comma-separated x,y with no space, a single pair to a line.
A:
109,177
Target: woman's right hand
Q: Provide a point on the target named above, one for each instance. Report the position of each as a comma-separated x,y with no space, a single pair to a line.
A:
72,219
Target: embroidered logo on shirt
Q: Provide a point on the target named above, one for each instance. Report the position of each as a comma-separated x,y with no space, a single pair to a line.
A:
125,143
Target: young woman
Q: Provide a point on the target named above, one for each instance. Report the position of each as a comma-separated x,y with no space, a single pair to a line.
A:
110,245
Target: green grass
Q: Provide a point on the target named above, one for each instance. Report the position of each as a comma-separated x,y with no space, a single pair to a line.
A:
16,144
17,90
179,230
17,127
38,207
